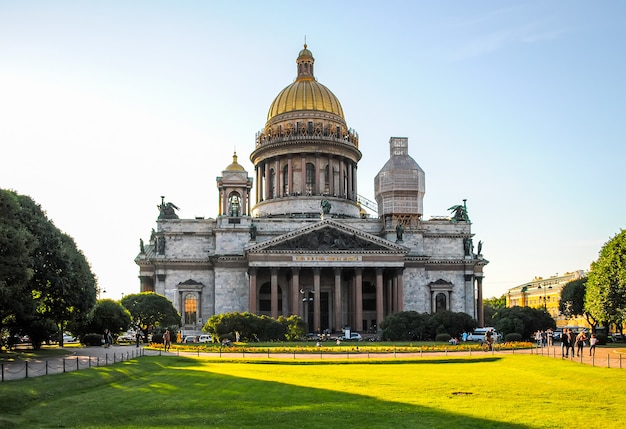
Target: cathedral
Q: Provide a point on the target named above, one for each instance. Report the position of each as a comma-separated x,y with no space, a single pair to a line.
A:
294,238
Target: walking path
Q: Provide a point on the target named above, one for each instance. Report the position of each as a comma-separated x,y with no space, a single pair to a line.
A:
87,357
78,358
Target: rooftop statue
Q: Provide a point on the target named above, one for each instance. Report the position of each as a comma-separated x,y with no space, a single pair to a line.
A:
459,213
166,210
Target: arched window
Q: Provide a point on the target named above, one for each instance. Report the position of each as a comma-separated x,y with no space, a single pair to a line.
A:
310,178
440,302
234,205
191,309
327,179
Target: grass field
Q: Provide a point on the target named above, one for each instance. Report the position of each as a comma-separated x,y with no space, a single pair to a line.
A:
487,391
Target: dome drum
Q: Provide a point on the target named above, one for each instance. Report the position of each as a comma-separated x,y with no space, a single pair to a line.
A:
306,207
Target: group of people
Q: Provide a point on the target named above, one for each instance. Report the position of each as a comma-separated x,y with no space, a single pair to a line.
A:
572,341
544,338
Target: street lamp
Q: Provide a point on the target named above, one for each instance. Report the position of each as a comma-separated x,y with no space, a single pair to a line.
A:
308,297
545,292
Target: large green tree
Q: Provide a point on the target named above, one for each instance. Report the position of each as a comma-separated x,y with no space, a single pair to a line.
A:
572,301
59,286
106,314
605,298
16,245
149,310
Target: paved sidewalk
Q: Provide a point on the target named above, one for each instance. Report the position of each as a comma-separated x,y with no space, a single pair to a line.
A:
78,359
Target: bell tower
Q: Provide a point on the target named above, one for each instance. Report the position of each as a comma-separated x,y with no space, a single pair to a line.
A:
234,187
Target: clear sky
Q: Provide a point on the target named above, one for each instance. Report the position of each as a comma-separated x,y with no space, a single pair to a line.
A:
517,106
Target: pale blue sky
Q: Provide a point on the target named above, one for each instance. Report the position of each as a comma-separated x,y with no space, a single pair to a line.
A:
517,106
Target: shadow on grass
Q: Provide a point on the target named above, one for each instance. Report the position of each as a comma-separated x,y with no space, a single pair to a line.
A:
172,392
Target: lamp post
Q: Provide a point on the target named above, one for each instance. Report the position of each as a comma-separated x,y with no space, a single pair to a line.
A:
307,297
545,292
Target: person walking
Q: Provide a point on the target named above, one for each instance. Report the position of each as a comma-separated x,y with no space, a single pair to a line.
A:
138,337
580,342
572,341
592,345
167,340
489,339
565,343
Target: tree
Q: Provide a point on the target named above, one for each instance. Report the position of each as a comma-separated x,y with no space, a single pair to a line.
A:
62,284
491,307
402,326
149,310
16,244
106,314
43,276
523,320
605,298
449,322
572,301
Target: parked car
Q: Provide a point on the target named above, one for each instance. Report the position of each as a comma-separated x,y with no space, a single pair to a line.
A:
68,339
126,337
354,336
190,339
205,339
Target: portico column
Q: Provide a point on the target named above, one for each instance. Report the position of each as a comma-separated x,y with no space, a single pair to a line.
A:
389,295
379,297
358,313
394,293
252,290
295,291
400,297
316,299
338,318
479,301
274,292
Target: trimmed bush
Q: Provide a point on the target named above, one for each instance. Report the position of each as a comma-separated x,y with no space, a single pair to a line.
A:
443,338
92,339
513,337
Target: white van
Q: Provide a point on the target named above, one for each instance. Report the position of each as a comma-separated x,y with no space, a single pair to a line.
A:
479,334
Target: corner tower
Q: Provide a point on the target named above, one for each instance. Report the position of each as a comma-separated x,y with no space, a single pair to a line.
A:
306,153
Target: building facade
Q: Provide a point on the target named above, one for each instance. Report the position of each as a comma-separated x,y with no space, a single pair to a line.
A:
544,293
295,239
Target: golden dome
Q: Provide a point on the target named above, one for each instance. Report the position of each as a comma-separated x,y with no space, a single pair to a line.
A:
305,93
235,166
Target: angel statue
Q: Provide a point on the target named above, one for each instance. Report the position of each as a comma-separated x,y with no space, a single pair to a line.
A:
459,213
166,210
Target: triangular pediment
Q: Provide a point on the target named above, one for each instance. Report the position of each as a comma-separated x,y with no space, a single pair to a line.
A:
327,236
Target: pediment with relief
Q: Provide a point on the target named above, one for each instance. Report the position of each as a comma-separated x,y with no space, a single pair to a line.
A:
328,236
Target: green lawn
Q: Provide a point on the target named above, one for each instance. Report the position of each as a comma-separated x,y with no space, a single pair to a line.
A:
491,391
